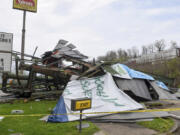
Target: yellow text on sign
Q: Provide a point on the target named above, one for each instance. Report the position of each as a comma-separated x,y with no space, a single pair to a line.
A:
28,5
85,104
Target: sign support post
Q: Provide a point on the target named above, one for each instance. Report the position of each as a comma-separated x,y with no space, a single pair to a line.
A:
80,122
25,5
80,104
23,35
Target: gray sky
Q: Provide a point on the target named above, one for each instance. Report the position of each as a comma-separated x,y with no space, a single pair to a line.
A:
94,26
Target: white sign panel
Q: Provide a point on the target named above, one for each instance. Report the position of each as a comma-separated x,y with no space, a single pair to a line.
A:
6,41
122,73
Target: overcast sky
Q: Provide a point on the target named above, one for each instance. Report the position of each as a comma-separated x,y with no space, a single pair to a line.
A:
94,26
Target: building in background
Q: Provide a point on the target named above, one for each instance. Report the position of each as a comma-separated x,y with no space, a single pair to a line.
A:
6,42
157,56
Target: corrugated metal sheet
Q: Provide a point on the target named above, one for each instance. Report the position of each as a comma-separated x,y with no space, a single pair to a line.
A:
60,44
62,48
138,87
163,94
71,46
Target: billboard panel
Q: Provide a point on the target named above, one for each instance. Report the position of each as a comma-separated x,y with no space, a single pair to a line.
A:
28,5
6,41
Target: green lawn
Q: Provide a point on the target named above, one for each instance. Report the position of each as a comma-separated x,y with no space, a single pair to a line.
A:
159,124
32,125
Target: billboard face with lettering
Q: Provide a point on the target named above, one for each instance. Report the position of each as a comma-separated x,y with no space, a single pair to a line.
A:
28,5
6,41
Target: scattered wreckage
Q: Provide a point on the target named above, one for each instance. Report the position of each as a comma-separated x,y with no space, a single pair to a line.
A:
53,71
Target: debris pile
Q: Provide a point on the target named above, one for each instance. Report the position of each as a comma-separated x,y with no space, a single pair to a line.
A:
50,72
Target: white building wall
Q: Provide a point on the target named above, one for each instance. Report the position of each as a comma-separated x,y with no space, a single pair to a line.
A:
6,42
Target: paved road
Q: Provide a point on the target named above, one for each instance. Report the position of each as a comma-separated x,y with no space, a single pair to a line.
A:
124,129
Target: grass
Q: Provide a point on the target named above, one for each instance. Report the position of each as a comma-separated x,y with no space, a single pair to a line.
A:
161,125
32,125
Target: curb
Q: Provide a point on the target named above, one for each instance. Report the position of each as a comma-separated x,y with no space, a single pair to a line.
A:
175,127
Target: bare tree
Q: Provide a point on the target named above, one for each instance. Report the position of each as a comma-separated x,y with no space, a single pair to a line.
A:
174,45
129,53
111,55
135,52
125,54
121,53
101,58
150,48
144,50
160,45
